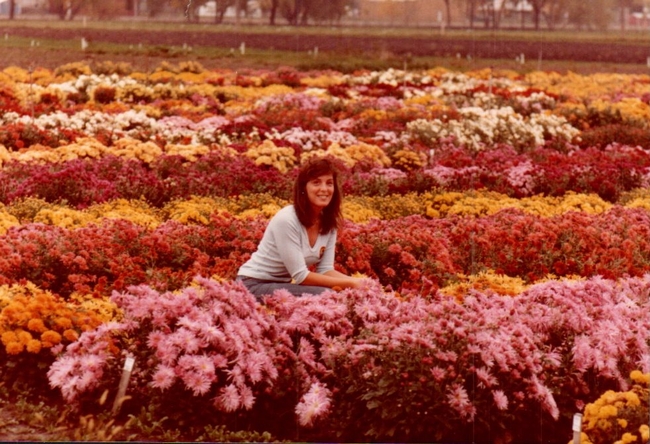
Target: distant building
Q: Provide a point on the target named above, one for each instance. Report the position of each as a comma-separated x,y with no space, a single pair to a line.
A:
407,12
23,6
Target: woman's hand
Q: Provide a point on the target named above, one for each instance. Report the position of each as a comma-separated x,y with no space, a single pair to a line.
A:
354,283
332,279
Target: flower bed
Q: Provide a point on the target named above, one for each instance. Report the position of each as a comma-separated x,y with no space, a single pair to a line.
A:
503,222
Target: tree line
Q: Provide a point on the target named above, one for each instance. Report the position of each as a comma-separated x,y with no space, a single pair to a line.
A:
493,14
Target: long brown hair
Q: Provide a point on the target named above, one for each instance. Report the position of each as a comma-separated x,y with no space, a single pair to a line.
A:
331,214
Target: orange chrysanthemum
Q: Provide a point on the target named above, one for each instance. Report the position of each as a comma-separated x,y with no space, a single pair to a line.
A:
14,348
34,346
24,336
9,336
36,325
50,338
70,335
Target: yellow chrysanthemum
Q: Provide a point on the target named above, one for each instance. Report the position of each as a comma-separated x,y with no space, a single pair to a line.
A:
409,160
639,377
645,432
485,281
267,153
7,221
627,438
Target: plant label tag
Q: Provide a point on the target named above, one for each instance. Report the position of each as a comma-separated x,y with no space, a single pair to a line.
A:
128,363
577,422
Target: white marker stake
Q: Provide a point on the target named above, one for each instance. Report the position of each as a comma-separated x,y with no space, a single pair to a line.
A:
577,427
124,382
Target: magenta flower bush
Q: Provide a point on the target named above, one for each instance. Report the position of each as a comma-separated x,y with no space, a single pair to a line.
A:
369,365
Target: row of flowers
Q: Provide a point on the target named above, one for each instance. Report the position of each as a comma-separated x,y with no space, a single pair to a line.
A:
475,110
545,351
79,83
411,253
357,209
84,182
366,352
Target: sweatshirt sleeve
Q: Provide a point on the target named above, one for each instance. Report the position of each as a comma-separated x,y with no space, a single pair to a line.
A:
286,234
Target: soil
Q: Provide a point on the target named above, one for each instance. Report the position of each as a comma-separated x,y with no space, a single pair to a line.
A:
16,427
621,54
415,46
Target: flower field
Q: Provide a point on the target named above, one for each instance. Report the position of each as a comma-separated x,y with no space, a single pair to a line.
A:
502,221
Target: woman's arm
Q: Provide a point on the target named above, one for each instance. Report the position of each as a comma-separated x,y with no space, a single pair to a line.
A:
331,279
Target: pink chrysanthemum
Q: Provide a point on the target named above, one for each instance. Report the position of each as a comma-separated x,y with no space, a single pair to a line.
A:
229,400
500,399
199,383
459,401
314,404
163,377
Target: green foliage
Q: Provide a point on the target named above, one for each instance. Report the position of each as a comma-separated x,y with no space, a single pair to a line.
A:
221,434
149,424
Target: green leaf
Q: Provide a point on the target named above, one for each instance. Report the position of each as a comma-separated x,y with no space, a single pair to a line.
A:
371,405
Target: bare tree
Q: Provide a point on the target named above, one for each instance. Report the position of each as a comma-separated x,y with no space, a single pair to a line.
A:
448,12
592,15
273,11
471,12
66,9
299,12
624,6
537,5
221,6
327,10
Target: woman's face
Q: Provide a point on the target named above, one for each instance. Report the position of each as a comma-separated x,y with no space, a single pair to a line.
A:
320,191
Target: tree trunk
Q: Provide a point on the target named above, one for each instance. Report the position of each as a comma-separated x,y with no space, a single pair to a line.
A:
298,5
12,9
447,13
274,10
305,13
622,7
537,12
471,13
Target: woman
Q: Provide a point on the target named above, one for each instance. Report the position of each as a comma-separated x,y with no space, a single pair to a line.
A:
299,236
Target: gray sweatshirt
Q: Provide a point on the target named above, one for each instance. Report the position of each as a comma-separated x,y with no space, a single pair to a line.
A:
284,253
